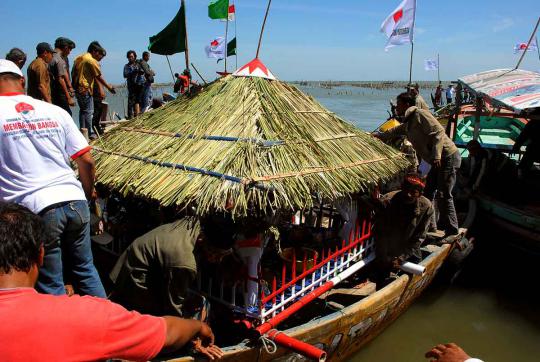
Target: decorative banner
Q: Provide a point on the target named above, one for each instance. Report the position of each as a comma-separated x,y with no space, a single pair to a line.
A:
216,49
431,64
399,25
232,13
520,47
218,9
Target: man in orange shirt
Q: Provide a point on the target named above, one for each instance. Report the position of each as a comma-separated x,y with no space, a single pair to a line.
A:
39,80
41,327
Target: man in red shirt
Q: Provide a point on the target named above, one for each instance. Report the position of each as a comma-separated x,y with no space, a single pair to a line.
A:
41,327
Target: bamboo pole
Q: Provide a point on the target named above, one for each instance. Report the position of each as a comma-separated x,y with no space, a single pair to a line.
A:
186,38
236,37
262,29
193,65
170,68
528,43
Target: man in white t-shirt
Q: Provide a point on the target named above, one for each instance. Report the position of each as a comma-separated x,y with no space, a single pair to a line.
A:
37,142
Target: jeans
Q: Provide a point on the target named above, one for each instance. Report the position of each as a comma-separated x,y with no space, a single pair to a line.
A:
98,113
146,100
59,99
86,111
439,186
68,227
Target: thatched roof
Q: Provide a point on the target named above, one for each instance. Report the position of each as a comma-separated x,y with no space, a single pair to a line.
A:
260,143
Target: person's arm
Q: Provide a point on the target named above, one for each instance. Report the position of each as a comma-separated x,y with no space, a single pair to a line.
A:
523,136
449,352
127,71
478,180
109,87
181,331
435,135
43,88
87,173
400,130
176,284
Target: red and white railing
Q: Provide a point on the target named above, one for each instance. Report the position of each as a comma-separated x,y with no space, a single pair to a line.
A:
360,247
293,284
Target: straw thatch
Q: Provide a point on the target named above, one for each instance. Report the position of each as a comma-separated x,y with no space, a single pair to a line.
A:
270,146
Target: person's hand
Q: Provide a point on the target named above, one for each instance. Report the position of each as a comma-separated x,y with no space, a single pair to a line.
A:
449,352
396,263
211,351
69,290
71,102
436,163
112,90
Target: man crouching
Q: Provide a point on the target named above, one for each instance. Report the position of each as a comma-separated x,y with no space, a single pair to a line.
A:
402,221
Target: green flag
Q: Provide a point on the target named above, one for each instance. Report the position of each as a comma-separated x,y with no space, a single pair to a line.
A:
218,9
231,48
172,39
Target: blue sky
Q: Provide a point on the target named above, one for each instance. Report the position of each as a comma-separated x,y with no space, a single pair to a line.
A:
304,39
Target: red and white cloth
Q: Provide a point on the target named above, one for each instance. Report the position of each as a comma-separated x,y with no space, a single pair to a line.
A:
37,141
399,25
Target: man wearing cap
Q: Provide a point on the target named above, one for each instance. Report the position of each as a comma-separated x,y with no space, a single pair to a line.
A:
38,142
61,89
420,101
434,147
39,81
402,221
17,56
87,71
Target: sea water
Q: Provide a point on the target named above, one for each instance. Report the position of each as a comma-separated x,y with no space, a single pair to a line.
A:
493,307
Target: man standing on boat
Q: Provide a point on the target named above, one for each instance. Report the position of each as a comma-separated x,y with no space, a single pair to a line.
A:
39,327
149,74
450,93
86,71
420,101
61,89
39,140
433,146
530,133
402,221
39,80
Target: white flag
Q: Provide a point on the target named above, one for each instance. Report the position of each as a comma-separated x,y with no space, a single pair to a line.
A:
399,25
431,64
216,49
520,47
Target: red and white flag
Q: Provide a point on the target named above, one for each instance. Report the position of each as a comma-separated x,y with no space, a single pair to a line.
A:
399,25
230,13
520,47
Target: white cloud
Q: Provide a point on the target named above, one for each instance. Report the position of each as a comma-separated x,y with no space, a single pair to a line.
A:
502,23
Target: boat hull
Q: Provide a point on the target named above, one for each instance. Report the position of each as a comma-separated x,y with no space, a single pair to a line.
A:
343,333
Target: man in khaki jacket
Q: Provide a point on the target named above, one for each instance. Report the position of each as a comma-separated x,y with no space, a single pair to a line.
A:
433,146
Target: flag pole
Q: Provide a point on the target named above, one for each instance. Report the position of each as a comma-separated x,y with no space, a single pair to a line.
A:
438,68
226,32
410,64
186,39
537,49
236,50
262,29
528,43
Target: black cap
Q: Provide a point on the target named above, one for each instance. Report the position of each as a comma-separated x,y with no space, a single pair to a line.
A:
64,42
44,47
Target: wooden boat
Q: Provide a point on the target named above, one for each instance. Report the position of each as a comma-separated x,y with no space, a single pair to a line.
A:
344,332
504,101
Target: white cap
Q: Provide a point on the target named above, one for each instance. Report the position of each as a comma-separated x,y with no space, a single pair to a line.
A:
7,66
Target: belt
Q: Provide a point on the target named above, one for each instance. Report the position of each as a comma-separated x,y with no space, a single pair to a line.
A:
53,206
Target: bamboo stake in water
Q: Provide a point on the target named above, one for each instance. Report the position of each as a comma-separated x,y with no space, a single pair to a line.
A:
528,43
262,29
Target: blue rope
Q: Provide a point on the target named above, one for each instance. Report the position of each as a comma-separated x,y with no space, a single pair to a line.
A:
188,168
258,141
